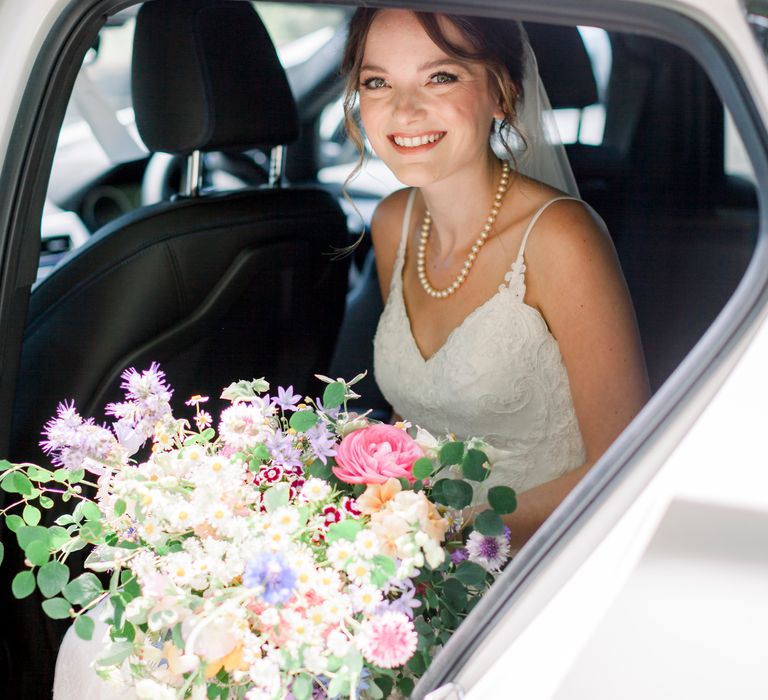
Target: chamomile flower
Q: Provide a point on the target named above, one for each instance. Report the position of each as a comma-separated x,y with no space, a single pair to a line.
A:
339,553
366,597
286,519
315,490
367,544
359,571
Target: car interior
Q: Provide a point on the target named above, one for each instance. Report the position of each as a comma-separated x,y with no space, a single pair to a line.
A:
233,267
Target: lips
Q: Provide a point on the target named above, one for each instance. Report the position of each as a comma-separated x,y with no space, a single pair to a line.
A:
416,142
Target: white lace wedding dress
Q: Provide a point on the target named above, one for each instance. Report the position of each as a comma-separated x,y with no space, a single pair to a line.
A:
499,376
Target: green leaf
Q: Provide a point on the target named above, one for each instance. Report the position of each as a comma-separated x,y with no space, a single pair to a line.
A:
31,515
457,493
13,522
22,484
61,475
455,594
385,686
56,608
338,686
470,574
384,570
92,532
276,497
26,535
320,470
90,510
39,474
114,654
8,483
489,523
38,552
334,394
437,493
473,465
344,530
84,589
23,584
84,627
301,421
301,688
57,536
4,465
417,664
245,390
178,640
405,686
451,453
502,499
75,476
45,502
52,578
120,507
422,468
261,452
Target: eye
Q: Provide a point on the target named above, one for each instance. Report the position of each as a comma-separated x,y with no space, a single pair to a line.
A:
442,78
374,83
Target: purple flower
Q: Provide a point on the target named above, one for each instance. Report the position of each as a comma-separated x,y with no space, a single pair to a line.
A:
286,399
282,449
459,555
74,443
490,552
332,413
271,574
322,441
405,603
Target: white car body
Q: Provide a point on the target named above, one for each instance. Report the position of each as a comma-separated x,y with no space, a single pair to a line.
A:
662,591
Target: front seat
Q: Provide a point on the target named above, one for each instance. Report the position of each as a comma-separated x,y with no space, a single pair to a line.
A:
216,287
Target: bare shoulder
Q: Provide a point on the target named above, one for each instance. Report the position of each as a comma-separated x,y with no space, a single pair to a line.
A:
386,226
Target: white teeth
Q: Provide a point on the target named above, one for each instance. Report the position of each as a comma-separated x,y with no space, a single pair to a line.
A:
411,142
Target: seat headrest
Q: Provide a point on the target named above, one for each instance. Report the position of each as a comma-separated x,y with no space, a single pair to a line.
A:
206,76
564,65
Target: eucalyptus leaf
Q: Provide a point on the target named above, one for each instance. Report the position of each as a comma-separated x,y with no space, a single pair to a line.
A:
457,493
120,507
90,510
245,390
21,484
489,523
84,626
473,466
301,421
451,453
114,654
52,577
5,465
276,497
422,468
470,574
38,552
31,515
334,394
84,589
57,608
13,522
23,584
502,499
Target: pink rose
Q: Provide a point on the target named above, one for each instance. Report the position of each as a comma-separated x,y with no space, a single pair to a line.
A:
374,454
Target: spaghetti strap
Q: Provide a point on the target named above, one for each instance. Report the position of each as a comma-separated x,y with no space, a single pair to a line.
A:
398,267
535,218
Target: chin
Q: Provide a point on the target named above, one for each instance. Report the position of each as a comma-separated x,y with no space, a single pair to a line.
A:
415,175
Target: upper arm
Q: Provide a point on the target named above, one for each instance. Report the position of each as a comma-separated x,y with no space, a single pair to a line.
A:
386,226
573,276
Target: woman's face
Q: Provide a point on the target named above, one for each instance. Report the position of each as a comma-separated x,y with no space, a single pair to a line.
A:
427,115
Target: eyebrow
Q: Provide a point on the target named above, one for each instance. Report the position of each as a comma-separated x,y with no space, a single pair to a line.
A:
424,66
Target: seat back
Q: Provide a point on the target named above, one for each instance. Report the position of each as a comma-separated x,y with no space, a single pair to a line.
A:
216,288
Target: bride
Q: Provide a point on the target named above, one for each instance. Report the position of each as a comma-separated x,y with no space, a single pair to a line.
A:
506,313
507,316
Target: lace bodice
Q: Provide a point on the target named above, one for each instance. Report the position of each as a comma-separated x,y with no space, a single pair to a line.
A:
498,376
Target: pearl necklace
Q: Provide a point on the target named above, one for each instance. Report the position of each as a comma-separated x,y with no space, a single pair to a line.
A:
426,225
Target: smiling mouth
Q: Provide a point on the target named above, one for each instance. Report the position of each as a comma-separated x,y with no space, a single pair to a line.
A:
416,141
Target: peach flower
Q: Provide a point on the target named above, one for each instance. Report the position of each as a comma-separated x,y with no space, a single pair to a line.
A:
375,496
374,454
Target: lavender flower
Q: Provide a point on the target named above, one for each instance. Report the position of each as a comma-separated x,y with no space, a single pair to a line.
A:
286,399
322,442
272,575
74,443
148,397
282,449
405,603
490,552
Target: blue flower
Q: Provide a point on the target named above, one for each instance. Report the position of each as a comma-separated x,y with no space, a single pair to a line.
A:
272,575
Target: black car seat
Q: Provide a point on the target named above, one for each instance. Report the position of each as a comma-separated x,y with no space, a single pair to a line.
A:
216,287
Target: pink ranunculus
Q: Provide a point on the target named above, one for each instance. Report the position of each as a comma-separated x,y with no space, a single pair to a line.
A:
374,454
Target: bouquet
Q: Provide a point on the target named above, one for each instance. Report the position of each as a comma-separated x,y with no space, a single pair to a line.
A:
296,550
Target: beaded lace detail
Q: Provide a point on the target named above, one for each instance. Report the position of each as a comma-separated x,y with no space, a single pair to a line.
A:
499,375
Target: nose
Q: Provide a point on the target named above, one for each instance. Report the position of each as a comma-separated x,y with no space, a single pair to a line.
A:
408,106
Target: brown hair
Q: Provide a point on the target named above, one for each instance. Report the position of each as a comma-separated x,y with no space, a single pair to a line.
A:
497,44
